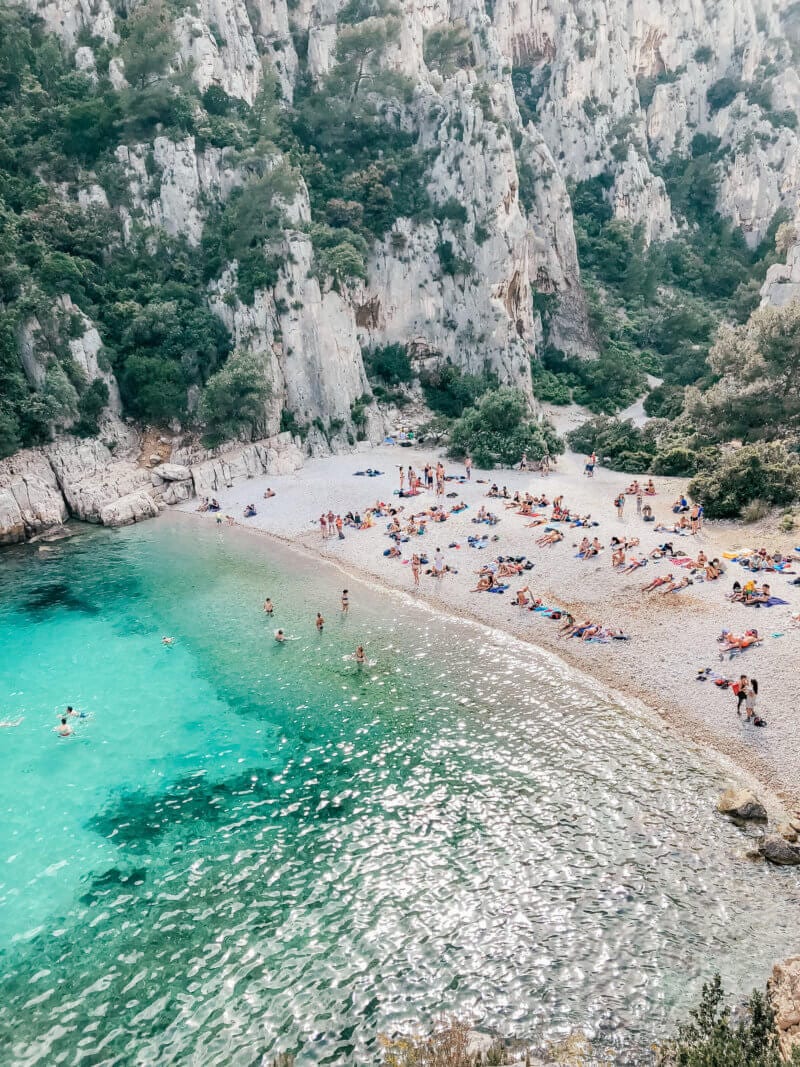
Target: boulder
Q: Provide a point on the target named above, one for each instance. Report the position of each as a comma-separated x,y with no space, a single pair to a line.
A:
132,507
177,492
741,804
155,459
12,528
784,992
30,497
777,849
173,472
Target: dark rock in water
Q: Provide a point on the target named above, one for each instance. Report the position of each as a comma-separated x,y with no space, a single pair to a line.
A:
102,883
741,804
778,850
56,595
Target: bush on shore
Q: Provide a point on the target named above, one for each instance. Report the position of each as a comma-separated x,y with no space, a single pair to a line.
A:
499,430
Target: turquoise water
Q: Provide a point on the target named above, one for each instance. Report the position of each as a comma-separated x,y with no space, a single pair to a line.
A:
249,848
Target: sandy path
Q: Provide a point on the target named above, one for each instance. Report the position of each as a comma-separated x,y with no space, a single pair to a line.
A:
672,635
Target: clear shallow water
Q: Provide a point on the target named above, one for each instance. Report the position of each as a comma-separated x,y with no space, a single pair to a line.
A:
248,848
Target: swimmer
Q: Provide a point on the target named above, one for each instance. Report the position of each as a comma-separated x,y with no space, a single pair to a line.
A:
268,608
77,714
320,622
167,640
63,729
345,602
359,656
16,722
280,636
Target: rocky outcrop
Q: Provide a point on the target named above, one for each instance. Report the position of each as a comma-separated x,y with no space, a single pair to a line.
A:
275,455
741,804
784,993
776,849
30,497
91,479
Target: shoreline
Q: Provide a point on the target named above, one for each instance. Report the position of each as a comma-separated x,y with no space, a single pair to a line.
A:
632,700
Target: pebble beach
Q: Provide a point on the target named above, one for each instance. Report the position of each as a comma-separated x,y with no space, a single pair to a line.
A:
672,636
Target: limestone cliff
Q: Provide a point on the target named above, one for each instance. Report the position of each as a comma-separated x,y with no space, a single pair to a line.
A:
502,103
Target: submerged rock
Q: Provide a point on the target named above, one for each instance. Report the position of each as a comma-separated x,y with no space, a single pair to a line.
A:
778,850
741,804
784,992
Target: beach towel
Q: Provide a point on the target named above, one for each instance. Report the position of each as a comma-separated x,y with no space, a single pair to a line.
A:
771,603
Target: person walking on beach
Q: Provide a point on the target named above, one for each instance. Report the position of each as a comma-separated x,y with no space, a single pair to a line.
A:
468,468
320,622
694,518
323,525
639,495
620,502
751,701
415,565
438,563
339,526
345,602
268,608
740,691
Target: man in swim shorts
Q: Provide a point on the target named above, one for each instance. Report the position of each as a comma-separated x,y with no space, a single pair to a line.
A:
345,602
320,622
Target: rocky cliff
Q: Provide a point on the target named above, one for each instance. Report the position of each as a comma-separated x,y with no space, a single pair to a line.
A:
468,123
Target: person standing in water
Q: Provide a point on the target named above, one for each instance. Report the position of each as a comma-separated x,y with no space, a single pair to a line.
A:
415,565
360,657
63,729
345,602
280,636
268,608
320,622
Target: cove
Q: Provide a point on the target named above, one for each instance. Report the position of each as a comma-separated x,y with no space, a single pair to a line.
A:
249,848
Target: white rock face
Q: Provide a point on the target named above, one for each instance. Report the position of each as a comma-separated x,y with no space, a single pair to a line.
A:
275,455
30,497
171,182
67,19
133,507
621,85
90,478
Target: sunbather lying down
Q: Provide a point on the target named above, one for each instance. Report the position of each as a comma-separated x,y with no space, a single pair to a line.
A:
664,579
552,537
731,642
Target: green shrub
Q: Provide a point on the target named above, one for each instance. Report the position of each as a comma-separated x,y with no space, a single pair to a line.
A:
723,92
90,407
703,54
451,263
675,462
549,387
449,391
233,399
712,1039
765,472
499,429
665,402
447,47
390,363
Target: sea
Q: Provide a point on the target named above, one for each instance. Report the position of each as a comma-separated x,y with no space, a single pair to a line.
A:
249,848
